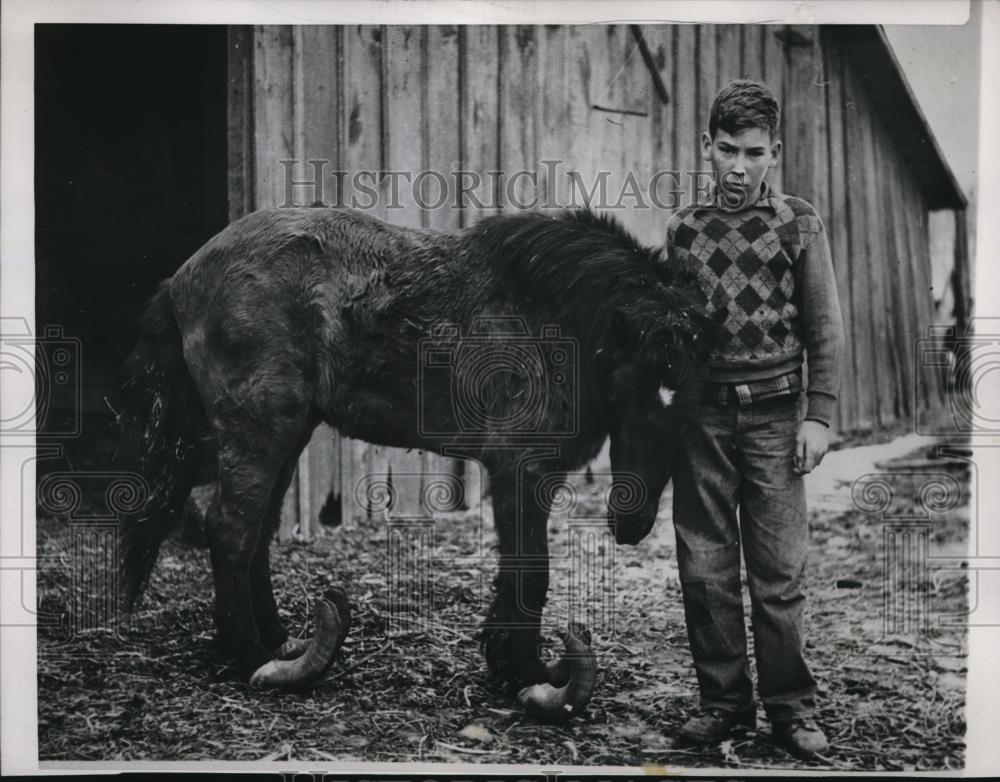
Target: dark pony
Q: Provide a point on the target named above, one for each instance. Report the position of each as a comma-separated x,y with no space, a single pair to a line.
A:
523,342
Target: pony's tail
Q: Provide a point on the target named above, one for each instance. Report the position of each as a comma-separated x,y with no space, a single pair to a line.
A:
163,425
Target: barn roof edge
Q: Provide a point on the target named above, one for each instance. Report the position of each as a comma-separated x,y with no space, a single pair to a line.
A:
894,97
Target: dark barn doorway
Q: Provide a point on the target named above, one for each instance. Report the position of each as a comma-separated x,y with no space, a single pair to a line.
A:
130,179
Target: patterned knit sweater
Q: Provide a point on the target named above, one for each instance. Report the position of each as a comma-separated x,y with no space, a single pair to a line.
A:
768,266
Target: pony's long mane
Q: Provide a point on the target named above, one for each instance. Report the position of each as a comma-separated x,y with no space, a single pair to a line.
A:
578,263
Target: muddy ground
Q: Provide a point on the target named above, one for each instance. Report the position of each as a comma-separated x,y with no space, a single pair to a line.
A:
886,644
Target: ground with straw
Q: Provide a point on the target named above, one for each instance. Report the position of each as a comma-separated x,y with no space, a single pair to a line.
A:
411,686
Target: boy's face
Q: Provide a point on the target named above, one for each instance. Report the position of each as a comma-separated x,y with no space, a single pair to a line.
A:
740,161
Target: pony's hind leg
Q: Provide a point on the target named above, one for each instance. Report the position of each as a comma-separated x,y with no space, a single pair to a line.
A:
250,466
273,633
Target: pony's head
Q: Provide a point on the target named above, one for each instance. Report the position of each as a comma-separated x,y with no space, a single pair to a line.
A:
660,366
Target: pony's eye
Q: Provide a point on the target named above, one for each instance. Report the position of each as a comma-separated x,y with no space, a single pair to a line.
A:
666,396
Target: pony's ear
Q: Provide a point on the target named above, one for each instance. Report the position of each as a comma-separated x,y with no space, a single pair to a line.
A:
625,332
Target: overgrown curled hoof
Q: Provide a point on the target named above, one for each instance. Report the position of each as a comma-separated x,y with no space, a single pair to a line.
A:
571,683
338,597
292,648
332,618
296,647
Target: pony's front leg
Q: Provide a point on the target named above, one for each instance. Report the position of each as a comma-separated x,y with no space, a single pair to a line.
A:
511,633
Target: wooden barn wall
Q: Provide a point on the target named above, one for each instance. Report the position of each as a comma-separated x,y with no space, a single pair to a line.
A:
508,98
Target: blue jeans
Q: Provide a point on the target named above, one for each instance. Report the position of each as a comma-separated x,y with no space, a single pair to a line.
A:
741,459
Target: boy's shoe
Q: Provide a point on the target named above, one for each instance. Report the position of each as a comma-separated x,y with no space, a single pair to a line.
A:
803,738
714,725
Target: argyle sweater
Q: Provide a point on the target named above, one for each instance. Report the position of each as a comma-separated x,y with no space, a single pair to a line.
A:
768,267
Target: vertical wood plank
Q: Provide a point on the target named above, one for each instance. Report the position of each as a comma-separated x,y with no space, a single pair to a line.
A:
905,240
800,108
705,77
730,57
960,277
361,124
820,168
519,130
273,111
616,46
686,130
837,228
579,114
895,309
886,368
817,87
667,185
916,210
961,287
240,120
752,51
592,88
912,244
644,220
708,71
662,42
774,77
444,120
904,308
860,255
935,383
595,81
908,317
557,140
320,119
480,120
405,137
581,94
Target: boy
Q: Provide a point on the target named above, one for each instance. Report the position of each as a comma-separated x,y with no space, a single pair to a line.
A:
763,259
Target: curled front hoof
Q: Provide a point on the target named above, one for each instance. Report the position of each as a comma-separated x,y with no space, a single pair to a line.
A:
571,684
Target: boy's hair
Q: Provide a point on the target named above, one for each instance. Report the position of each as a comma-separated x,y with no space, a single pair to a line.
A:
743,104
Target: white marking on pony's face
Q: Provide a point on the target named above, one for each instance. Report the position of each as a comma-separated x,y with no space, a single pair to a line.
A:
666,396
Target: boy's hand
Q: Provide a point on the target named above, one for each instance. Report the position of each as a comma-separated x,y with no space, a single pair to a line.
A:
811,445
